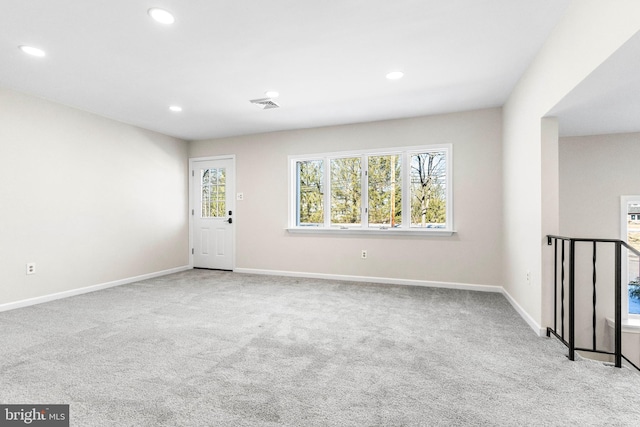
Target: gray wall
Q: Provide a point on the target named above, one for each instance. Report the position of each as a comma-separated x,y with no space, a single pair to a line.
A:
594,172
88,199
588,33
472,256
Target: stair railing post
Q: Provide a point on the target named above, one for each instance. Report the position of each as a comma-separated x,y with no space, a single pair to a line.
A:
618,296
562,315
572,299
555,285
594,299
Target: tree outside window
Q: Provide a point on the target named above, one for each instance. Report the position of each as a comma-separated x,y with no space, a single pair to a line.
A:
385,190
428,189
346,191
310,176
399,189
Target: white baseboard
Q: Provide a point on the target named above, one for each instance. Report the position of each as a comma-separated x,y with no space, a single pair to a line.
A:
385,280
540,331
85,290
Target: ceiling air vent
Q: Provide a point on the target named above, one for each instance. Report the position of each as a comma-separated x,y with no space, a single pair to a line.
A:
264,103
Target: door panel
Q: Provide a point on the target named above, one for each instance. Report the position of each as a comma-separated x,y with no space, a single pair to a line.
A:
212,190
204,239
220,241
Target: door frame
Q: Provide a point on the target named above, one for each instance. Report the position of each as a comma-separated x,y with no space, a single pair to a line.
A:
192,198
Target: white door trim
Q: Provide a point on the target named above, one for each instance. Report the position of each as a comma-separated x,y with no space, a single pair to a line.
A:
192,196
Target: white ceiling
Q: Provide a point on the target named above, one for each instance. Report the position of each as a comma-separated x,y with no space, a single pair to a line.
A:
608,100
328,60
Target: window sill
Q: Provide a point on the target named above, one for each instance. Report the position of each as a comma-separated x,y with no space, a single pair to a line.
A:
372,231
628,325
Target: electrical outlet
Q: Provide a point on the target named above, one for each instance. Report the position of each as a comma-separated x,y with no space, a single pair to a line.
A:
31,268
364,254
239,196
528,277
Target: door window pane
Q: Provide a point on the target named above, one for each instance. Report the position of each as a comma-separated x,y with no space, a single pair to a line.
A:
428,189
346,192
310,179
385,190
213,192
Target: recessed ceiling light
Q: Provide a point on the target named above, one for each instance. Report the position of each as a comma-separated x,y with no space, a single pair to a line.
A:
271,94
33,51
175,108
161,15
395,75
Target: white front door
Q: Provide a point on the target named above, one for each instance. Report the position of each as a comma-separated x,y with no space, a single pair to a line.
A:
213,212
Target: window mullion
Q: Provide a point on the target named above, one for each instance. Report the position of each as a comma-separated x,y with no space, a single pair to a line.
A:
298,165
327,192
449,190
364,190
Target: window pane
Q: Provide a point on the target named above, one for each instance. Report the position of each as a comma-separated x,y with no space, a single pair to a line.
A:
395,196
385,191
428,189
346,193
213,192
634,296
633,263
310,178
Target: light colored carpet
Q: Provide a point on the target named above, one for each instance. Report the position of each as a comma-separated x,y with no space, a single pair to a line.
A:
207,348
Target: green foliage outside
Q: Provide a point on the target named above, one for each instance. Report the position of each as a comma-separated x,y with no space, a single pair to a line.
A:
428,202
384,175
310,192
346,190
213,193
385,190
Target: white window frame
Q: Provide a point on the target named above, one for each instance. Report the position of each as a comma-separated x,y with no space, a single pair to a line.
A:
363,228
624,215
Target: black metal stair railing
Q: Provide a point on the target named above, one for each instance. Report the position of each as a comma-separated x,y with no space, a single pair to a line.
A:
570,290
